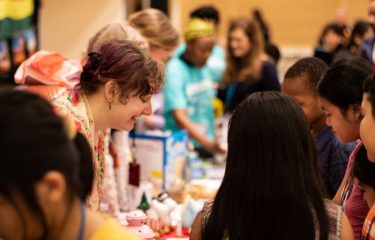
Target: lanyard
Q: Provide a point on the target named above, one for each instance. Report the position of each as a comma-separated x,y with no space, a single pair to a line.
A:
81,232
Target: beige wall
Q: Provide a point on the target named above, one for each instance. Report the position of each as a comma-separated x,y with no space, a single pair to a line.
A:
67,25
294,23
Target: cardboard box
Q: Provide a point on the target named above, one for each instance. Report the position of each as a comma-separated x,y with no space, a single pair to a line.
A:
161,158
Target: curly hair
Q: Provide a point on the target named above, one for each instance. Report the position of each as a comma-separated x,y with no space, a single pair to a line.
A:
155,26
130,68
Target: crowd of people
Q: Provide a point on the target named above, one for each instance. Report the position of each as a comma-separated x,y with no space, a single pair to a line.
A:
299,161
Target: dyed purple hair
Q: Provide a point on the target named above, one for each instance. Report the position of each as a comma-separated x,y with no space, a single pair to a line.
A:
129,67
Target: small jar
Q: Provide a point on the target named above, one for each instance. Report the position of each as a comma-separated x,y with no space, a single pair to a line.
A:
137,225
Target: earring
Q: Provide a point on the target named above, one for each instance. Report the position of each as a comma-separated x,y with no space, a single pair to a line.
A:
110,105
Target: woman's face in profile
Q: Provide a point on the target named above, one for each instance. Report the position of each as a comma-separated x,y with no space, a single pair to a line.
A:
345,125
124,115
366,130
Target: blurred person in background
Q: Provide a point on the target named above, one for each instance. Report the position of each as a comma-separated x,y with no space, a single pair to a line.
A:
368,45
216,61
189,88
248,69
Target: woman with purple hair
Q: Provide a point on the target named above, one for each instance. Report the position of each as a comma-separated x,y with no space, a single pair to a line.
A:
115,88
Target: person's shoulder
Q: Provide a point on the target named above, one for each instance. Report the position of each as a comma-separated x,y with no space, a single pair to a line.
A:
61,103
218,51
354,152
334,214
179,50
112,230
369,42
177,68
331,207
267,65
61,97
176,63
201,221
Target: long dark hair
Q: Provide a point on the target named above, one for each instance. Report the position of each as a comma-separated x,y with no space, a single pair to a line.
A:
34,141
271,187
363,168
360,28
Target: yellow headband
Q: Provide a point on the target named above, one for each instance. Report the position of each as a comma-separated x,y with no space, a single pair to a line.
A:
198,28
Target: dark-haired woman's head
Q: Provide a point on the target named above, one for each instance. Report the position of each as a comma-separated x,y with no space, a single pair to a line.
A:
333,37
158,31
261,128
44,169
367,128
340,93
362,30
271,170
122,78
364,171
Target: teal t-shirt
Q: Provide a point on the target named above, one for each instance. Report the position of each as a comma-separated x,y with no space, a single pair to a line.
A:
190,88
215,63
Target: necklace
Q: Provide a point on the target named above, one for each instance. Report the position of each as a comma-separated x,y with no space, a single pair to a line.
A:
89,115
97,147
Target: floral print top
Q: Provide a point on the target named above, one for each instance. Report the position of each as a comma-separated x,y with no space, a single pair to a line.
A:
75,104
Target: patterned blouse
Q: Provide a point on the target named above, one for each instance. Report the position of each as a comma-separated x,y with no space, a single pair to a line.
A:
75,104
334,216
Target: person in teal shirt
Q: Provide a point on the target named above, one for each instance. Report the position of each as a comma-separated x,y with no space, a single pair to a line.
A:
216,61
189,88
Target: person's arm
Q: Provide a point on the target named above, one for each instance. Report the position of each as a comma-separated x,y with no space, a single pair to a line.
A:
183,122
196,228
346,228
176,102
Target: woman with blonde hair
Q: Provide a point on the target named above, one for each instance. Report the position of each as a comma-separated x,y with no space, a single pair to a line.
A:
247,68
114,198
158,31
117,31
162,39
